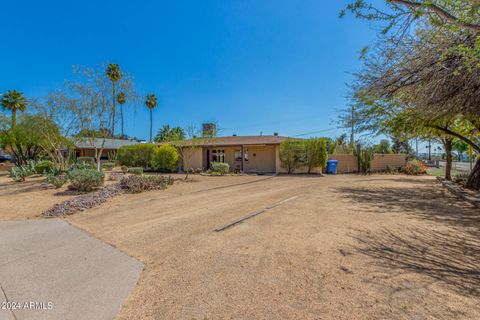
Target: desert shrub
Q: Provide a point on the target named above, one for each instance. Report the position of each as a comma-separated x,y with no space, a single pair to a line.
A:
137,184
220,167
165,158
85,179
115,176
44,166
90,160
19,173
139,155
391,170
415,168
461,177
84,163
135,170
57,180
108,165
124,169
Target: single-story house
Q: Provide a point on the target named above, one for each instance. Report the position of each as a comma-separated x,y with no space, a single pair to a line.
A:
250,154
261,154
86,147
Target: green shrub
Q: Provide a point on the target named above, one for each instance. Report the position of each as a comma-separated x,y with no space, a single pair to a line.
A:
85,163
19,173
139,155
85,179
108,165
44,166
86,160
415,168
220,168
135,170
316,154
291,154
125,156
165,158
137,184
57,180
124,169
365,157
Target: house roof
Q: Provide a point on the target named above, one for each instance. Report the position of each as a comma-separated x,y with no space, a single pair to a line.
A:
84,143
234,141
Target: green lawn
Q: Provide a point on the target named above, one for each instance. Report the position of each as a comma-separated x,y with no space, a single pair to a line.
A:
440,172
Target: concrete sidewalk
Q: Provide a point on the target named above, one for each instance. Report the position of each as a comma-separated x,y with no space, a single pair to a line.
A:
52,270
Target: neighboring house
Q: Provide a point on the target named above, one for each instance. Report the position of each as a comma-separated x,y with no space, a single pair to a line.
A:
85,148
251,154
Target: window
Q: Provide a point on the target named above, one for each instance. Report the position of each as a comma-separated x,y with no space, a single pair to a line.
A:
238,155
218,155
245,154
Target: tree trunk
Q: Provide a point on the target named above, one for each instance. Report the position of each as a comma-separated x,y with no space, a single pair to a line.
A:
14,117
98,155
121,116
113,109
473,181
151,124
447,144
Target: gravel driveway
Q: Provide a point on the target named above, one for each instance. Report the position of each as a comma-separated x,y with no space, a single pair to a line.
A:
343,247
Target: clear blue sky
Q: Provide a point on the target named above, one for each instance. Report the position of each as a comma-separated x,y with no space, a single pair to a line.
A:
251,66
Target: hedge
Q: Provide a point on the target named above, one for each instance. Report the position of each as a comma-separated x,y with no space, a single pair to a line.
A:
165,158
139,155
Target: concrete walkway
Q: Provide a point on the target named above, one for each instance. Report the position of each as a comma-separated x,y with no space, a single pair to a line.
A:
52,270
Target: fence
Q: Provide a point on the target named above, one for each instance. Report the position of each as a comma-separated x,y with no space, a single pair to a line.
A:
349,163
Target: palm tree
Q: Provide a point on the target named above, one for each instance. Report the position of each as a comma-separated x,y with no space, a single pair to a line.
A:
14,101
165,133
114,74
151,103
121,99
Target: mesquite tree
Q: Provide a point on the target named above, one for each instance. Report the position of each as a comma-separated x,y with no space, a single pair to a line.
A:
433,72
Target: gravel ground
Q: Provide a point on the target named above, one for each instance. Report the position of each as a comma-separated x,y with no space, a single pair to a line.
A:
346,247
26,200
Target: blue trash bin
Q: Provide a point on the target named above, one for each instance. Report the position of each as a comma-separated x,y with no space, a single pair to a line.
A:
332,166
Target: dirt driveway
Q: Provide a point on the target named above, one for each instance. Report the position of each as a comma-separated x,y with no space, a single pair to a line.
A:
342,247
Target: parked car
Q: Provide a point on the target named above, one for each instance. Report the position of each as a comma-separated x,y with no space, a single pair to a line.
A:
6,158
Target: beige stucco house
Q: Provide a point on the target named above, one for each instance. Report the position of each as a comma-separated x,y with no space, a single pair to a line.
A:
250,154
261,154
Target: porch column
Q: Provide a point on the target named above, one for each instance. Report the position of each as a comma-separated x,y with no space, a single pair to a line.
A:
243,159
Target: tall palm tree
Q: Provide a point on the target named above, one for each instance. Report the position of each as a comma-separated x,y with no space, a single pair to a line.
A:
14,101
121,99
151,103
114,74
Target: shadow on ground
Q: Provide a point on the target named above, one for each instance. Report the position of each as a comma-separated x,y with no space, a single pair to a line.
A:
13,187
447,250
447,257
426,201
